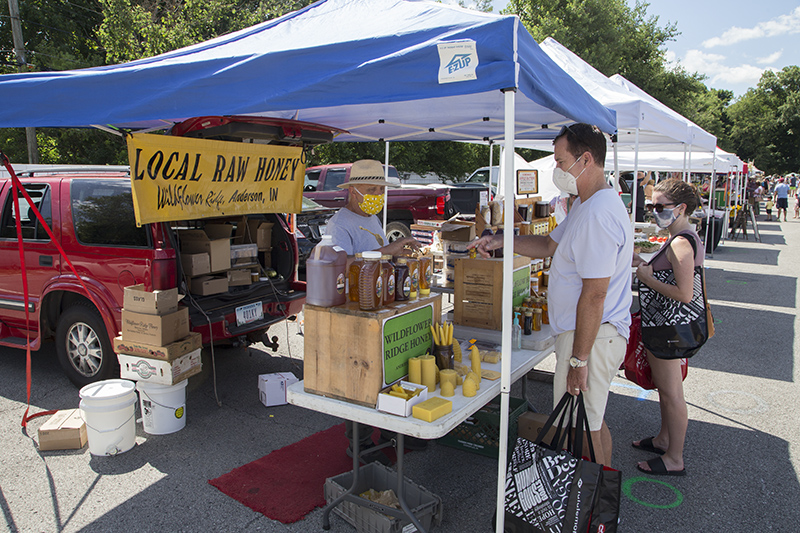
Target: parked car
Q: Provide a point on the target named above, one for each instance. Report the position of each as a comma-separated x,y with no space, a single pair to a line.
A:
91,214
406,204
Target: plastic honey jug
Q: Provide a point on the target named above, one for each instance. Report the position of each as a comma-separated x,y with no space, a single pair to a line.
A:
325,272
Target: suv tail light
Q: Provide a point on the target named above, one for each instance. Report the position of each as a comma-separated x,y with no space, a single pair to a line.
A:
165,274
440,202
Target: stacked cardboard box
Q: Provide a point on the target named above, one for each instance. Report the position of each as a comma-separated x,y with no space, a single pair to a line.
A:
156,345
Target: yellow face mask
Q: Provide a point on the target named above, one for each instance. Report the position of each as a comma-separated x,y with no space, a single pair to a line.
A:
371,203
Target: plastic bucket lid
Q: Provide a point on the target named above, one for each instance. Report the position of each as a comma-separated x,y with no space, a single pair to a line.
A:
110,391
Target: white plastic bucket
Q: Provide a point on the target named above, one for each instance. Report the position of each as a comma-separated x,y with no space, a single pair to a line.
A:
108,408
163,407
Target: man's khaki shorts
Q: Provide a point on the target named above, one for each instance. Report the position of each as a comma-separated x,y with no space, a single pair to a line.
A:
607,355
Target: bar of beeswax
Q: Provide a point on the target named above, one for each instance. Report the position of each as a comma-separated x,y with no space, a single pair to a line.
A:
432,408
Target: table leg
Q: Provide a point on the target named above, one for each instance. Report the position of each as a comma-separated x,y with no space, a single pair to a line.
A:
400,450
326,513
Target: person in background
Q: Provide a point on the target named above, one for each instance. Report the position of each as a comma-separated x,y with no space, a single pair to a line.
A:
768,208
356,228
781,198
673,202
797,205
793,185
589,289
648,183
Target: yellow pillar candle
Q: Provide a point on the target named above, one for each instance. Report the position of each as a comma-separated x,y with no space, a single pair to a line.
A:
428,371
448,376
415,370
474,377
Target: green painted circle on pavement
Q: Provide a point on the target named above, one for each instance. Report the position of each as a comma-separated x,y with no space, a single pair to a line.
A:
628,483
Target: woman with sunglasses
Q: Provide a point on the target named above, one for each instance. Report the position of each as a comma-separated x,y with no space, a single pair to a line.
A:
673,202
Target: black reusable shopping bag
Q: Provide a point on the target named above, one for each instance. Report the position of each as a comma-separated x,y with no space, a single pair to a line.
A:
553,490
673,329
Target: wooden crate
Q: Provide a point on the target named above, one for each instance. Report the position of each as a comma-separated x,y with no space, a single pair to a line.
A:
343,355
478,295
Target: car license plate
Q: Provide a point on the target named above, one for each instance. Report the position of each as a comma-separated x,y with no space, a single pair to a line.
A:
249,313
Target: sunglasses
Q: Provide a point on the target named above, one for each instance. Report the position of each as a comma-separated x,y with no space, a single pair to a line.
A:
658,208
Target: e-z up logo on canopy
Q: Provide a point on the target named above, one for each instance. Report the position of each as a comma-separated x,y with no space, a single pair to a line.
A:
457,61
178,178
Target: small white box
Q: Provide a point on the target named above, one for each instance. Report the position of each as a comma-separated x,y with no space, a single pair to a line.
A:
272,387
398,406
138,368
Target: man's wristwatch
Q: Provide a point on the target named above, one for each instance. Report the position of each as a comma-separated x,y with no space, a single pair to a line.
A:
574,362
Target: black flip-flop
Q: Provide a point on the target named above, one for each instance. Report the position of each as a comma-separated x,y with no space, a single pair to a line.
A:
658,468
647,445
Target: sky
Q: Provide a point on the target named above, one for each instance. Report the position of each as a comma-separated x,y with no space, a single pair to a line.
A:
731,42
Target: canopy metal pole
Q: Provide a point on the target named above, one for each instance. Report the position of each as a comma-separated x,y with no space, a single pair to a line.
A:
709,218
491,159
635,180
508,275
684,162
688,178
616,167
386,189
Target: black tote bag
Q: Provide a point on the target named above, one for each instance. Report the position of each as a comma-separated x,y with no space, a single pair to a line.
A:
552,490
673,329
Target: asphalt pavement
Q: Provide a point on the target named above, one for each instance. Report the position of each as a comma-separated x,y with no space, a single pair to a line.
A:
742,448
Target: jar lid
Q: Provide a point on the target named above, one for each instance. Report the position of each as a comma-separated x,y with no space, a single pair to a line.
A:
401,261
371,255
537,310
386,257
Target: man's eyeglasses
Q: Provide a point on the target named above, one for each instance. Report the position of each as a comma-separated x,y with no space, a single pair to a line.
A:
658,208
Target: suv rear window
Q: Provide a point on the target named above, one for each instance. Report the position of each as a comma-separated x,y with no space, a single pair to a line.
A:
102,213
32,229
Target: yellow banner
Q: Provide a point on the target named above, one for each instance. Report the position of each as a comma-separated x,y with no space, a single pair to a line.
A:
180,178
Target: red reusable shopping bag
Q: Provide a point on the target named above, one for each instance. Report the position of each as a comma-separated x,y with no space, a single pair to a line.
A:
636,367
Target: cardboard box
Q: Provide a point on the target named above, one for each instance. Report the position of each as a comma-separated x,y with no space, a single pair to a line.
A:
206,285
214,241
458,231
156,330
140,368
170,352
156,302
398,406
272,387
529,425
345,358
243,254
196,264
478,291
257,232
65,430
239,277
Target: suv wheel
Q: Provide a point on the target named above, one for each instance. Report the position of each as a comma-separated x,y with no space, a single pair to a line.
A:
83,347
396,231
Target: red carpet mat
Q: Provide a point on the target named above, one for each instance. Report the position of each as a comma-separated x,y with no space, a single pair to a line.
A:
287,484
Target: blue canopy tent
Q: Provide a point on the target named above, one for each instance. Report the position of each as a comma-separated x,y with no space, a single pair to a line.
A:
382,69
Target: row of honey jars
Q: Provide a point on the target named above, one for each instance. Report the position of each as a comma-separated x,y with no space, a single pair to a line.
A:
401,280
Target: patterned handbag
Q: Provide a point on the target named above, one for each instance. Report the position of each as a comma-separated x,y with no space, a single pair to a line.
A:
673,329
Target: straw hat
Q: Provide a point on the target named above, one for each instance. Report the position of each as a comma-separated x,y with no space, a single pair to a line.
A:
367,172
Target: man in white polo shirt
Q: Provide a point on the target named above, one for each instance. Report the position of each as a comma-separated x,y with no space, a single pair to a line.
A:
589,296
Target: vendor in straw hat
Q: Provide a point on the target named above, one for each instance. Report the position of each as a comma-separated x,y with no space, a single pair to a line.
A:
355,227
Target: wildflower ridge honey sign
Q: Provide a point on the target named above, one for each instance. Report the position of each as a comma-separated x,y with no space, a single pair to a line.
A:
178,178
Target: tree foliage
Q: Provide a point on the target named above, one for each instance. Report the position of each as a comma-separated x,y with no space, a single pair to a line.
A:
766,122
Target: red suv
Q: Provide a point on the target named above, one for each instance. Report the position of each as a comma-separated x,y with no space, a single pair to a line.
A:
91,215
